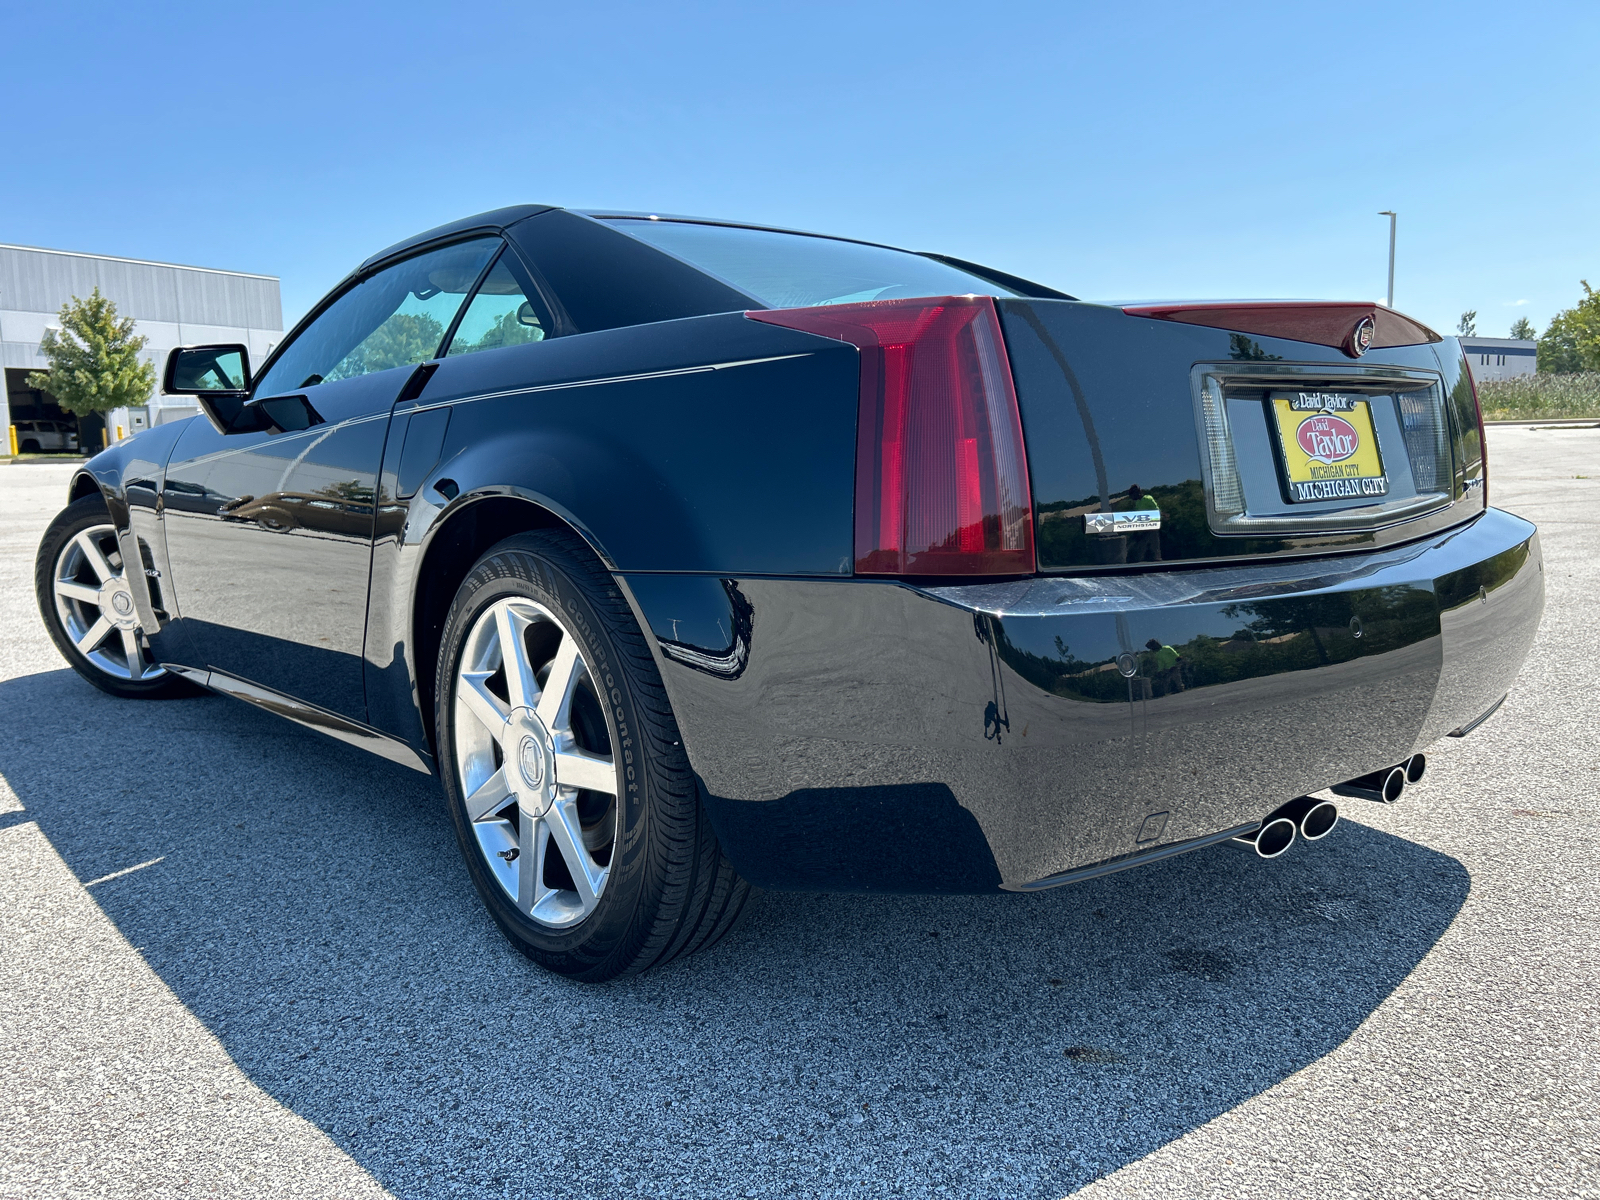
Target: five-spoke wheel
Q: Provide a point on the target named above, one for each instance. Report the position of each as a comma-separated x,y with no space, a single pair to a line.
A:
537,768
95,604
568,784
86,599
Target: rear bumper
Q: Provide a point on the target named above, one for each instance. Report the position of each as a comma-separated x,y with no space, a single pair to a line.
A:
870,736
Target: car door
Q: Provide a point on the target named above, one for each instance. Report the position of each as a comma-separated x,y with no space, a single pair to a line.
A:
269,574
507,312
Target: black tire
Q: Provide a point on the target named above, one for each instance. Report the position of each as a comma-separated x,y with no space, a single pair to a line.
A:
82,514
670,890
29,447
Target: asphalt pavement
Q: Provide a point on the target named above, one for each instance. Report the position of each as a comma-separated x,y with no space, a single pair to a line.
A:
239,959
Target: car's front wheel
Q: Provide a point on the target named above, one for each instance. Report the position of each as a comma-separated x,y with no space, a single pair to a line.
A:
566,777
88,606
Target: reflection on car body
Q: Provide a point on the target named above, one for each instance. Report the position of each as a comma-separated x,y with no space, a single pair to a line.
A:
280,512
185,497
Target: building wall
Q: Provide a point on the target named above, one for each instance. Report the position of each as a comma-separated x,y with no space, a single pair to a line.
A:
171,306
1500,358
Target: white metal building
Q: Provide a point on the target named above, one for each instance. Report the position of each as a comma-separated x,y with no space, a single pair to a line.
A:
1500,358
171,305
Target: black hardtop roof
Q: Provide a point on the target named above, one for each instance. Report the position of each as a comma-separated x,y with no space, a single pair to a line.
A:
495,220
499,219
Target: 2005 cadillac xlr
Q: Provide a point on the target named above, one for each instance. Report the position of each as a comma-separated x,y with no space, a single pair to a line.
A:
694,555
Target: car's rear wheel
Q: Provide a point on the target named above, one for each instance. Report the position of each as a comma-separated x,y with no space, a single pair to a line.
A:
571,794
88,606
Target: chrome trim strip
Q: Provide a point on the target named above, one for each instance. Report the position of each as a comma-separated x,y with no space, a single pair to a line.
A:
1479,719
1350,520
729,665
580,383
1219,467
352,733
1137,859
322,431
279,440
138,585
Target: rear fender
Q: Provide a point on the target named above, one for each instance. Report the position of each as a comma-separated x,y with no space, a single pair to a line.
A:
713,445
587,482
466,504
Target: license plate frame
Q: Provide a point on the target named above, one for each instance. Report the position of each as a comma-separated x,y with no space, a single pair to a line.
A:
1327,447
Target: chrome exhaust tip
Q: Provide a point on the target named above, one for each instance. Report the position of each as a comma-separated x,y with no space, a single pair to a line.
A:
1314,818
1319,821
1383,787
1416,766
1274,837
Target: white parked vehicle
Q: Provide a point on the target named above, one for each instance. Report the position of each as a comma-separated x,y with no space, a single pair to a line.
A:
36,436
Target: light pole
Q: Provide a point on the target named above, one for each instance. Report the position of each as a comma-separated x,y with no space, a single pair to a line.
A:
1391,216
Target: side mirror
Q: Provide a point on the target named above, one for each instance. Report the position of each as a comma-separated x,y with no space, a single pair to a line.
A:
207,371
217,376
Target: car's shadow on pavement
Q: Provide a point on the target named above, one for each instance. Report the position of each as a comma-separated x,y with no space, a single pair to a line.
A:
311,909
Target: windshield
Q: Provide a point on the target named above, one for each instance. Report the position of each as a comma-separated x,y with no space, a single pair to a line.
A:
796,270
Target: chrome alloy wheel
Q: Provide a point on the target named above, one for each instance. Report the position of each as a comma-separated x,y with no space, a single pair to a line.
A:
533,748
96,605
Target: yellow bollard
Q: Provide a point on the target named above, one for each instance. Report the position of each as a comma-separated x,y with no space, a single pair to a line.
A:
12,431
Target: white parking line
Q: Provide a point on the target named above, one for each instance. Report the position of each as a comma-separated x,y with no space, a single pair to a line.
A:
125,871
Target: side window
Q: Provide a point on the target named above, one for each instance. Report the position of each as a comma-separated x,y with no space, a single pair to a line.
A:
500,315
391,319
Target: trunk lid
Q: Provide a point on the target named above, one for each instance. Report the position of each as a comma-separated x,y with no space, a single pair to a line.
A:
1159,434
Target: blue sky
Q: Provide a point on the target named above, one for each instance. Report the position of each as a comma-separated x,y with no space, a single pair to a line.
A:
1155,150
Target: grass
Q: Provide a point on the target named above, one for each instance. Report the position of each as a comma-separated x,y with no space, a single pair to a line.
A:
1541,397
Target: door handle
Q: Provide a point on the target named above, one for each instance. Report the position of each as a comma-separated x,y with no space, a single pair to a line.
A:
418,381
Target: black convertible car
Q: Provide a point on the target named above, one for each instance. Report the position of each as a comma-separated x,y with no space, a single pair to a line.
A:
693,555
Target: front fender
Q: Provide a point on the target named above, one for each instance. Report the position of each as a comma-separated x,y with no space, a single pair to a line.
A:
128,477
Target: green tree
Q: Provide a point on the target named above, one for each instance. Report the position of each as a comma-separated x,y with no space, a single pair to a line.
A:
1468,325
1523,329
1558,348
1571,343
403,339
507,331
94,360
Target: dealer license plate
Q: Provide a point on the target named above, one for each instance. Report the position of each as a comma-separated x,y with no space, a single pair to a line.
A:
1329,449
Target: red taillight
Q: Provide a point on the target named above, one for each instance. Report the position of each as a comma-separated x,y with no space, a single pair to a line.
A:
941,477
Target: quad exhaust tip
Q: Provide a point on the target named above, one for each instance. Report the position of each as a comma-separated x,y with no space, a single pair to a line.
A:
1277,834
1304,816
1313,819
1316,818
1416,767
1383,786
